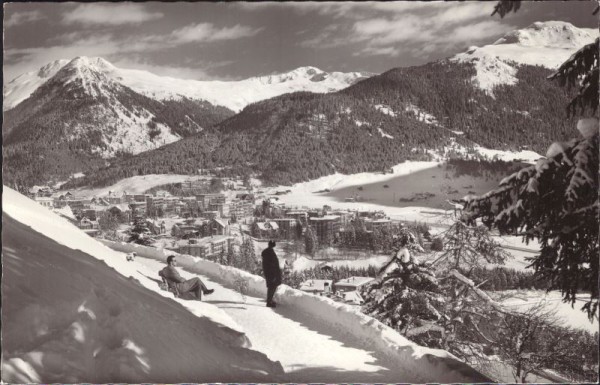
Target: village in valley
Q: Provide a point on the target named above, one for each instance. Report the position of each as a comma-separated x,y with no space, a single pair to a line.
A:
300,192
216,225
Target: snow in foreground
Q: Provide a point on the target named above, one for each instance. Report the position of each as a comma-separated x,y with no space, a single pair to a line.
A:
67,317
167,341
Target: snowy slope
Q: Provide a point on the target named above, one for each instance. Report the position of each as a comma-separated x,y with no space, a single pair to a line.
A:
67,317
313,337
234,95
546,44
22,86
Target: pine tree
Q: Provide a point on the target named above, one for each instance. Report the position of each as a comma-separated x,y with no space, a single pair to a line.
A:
247,256
139,233
310,240
556,201
409,299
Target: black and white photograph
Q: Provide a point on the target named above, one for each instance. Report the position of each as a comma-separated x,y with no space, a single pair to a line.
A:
300,192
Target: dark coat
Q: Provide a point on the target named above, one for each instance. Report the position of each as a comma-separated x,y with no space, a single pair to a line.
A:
271,267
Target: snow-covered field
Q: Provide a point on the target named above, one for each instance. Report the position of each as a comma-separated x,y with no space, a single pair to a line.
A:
137,184
145,333
569,316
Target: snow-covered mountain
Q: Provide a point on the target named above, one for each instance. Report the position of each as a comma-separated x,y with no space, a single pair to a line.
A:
546,44
22,86
234,95
93,108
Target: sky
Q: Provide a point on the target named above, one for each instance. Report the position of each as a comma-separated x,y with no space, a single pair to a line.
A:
237,40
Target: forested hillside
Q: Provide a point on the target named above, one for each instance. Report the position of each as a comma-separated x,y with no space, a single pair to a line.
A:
62,128
403,114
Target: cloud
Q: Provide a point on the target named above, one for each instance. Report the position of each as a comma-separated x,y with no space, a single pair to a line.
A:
378,51
199,70
23,17
382,28
341,9
109,14
207,32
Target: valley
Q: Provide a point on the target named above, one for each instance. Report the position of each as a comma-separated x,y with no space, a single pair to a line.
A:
428,222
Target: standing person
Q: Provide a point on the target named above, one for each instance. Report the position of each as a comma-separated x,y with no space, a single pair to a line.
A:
272,272
194,285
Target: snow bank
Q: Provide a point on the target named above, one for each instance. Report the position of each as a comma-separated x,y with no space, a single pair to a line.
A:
424,363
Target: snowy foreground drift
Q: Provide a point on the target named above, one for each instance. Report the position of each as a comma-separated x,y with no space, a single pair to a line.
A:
68,317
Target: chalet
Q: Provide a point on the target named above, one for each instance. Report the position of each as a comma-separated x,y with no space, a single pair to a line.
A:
218,226
78,204
93,211
351,284
320,286
113,199
87,224
265,230
44,201
121,211
91,228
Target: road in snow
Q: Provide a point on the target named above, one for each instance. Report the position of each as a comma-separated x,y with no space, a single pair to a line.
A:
307,349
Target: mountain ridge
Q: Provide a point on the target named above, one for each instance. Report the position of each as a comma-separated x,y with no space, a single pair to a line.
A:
435,110
234,95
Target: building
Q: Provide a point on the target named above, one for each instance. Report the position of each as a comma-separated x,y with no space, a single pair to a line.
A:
379,223
210,214
121,211
265,230
91,228
156,206
351,284
218,226
93,211
78,204
208,247
320,286
287,227
242,207
326,228
351,297
221,207
138,210
300,216
205,200
44,201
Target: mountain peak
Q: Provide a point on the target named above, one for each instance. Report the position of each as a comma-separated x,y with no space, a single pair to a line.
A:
553,34
546,44
96,63
51,68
